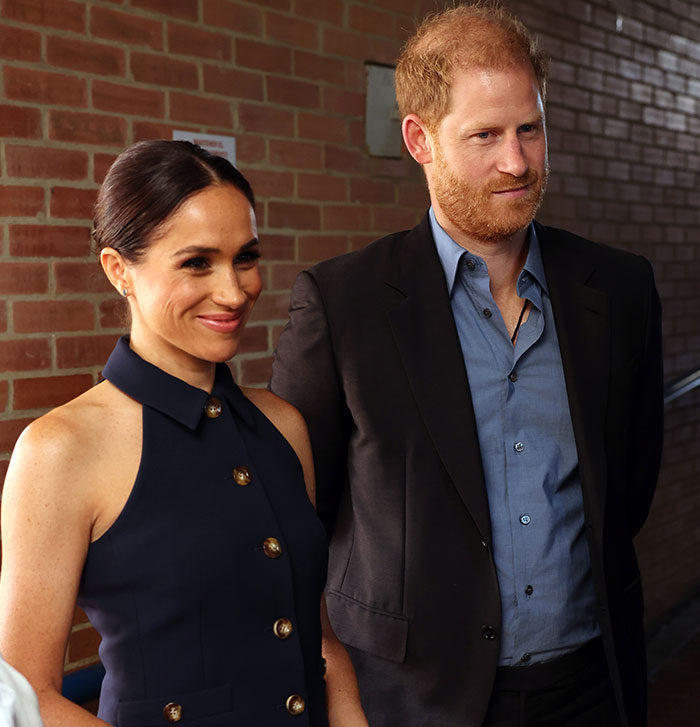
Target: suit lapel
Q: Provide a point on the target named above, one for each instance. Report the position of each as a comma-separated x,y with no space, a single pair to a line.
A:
426,336
581,313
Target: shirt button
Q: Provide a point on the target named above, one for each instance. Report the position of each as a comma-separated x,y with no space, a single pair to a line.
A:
470,264
295,704
213,407
525,519
488,632
241,476
513,376
525,658
282,628
518,447
172,712
487,313
272,548
529,590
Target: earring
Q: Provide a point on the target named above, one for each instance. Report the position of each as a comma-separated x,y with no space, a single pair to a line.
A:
125,292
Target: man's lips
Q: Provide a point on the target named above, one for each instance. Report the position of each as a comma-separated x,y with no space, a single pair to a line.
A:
514,191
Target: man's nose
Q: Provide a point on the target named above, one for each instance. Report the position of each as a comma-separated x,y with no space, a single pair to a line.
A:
512,158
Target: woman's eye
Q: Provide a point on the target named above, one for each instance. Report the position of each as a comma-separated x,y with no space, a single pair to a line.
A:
196,263
248,257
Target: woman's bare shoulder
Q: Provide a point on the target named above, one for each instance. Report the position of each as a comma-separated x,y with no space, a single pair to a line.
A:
280,412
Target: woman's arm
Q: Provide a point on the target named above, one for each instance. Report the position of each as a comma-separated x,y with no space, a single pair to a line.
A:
47,518
342,694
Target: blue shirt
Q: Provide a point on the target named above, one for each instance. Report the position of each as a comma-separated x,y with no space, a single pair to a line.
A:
529,459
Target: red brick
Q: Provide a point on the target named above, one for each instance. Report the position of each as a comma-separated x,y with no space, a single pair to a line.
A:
127,99
233,15
295,216
291,30
348,103
261,119
126,28
278,247
21,201
385,51
371,22
322,127
357,242
313,248
271,306
198,110
296,154
164,71
345,161
393,219
40,316
399,168
254,340
114,313
283,275
193,41
40,162
48,391
398,6
10,431
79,616
49,241
343,43
414,196
185,9
263,56
80,277
143,130
26,84
322,187
81,351
3,316
83,55
101,164
83,644
255,370
271,184
63,14
24,354
23,278
371,191
250,149
4,391
19,44
233,83
3,471
318,67
68,202
84,128
328,11
346,217
293,93
19,122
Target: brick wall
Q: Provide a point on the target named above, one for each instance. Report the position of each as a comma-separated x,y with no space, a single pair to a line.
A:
82,79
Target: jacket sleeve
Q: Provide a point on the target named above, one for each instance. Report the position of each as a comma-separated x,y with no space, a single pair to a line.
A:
646,436
304,372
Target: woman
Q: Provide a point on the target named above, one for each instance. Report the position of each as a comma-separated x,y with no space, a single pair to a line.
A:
166,501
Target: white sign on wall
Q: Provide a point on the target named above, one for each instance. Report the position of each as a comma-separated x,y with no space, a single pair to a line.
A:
223,146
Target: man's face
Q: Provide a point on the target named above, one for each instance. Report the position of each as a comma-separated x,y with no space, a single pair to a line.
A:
489,163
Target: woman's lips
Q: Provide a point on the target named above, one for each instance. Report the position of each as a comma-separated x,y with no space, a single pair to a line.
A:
221,322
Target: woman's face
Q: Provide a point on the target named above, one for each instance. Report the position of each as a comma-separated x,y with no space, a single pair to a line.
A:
193,290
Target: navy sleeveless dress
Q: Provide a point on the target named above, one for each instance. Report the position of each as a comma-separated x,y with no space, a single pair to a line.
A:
206,589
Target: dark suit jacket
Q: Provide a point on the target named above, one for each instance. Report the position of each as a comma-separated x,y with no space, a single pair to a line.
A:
372,359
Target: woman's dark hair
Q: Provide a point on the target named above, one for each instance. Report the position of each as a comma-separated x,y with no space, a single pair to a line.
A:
147,183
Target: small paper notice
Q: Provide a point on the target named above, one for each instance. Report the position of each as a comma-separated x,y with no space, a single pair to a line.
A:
223,146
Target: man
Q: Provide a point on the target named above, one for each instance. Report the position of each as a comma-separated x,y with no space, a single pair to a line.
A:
483,395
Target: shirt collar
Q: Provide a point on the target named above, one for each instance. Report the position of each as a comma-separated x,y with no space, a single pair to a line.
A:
169,395
450,253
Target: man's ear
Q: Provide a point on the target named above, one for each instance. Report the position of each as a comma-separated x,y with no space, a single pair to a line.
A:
418,139
115,269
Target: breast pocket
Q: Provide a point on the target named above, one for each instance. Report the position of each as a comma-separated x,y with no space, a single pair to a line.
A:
206,708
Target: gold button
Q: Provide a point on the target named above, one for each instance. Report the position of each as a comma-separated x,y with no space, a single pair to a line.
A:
172,712
283,628
242,476
295,704
272,548
213,407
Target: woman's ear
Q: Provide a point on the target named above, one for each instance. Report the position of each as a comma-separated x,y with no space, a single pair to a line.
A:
116,270
418,139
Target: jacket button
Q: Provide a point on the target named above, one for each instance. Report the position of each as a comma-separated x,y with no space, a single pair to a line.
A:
272,548
283,628
241,476
213,407
488,632
172,712
295,704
